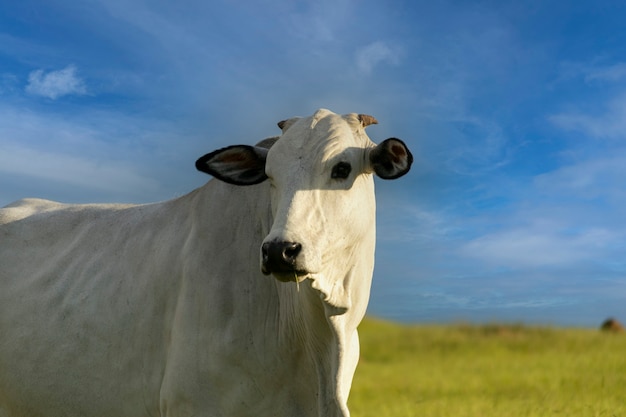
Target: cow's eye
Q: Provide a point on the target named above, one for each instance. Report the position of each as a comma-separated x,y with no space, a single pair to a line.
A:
341,170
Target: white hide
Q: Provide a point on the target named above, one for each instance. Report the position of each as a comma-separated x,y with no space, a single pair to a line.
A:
162,309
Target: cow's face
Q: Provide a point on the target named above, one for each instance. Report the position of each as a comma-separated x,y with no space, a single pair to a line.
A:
322,191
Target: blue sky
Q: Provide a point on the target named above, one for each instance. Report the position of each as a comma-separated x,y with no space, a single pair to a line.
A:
514,110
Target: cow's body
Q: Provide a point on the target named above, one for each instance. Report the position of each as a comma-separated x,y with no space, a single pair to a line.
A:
162,309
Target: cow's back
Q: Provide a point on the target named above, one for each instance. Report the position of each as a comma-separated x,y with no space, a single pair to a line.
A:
84,304
118,310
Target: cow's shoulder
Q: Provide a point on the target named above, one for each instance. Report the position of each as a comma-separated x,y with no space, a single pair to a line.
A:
26,207
40,209
33,204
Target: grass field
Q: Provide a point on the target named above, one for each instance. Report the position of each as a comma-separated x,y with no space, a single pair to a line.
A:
490,370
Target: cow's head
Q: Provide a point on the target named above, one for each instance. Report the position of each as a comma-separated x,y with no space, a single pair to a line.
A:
322,191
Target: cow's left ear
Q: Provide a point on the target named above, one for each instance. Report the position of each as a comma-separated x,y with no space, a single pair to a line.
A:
238,164
391,159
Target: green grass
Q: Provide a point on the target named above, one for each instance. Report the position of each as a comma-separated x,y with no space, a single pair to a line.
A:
490,370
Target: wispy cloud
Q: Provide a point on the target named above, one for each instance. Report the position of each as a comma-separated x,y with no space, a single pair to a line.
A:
610,124
73,171
375,54
610,73
592,72
55,84
540,246
413,224
595,116
601,176
89,155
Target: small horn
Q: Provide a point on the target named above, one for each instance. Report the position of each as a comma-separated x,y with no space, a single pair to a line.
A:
367,120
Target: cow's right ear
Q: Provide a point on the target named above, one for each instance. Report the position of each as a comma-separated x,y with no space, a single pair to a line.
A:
391,159
238,164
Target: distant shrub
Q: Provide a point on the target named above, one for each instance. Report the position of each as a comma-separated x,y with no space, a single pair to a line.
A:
612,325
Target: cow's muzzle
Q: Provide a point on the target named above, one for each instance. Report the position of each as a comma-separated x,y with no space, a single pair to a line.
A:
281,259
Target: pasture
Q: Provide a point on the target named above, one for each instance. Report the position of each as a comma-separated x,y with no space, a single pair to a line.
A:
489,370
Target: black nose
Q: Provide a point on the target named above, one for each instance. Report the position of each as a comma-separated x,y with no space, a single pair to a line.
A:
280,256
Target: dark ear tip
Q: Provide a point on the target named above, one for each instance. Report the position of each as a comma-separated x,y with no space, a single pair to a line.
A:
201,162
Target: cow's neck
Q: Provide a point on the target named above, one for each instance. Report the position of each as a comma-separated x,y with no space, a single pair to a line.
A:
306,326
326,329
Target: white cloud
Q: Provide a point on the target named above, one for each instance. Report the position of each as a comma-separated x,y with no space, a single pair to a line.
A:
71,170
609,125
541,246
611,73
318,21
565,219
601,176
374,54
410,223
609,122
55,84
105,155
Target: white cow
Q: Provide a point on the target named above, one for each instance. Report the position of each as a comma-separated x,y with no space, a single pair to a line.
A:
164,309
